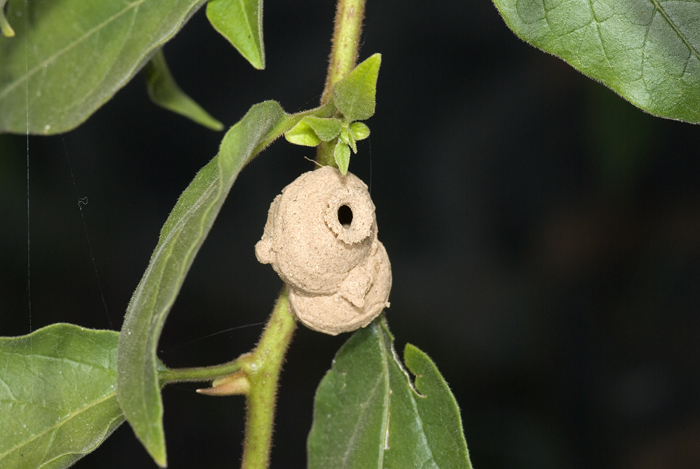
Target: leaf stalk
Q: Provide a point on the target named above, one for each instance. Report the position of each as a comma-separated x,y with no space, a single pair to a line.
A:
204,373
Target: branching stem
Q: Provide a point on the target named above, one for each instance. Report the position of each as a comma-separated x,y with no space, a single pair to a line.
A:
263,365
263,368
344,49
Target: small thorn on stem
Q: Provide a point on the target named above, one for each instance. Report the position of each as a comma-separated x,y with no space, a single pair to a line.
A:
231,385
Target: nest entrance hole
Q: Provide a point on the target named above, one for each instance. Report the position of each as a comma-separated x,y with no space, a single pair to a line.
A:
345,216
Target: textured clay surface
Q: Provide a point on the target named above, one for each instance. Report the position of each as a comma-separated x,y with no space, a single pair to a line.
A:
321,238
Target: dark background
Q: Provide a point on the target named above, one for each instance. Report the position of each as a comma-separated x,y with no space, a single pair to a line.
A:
544,236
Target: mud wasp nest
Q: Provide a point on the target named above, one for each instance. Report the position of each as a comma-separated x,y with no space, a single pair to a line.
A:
321,238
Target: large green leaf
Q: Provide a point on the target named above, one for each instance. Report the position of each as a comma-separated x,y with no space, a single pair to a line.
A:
164,91
182,235
648,51
57,388
70,56
240,21
368,414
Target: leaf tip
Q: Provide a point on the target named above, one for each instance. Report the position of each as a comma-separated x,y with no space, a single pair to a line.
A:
7,30
355,95
257,63
342,157
241,24
165,92
156,449
376,57
5,27
214,125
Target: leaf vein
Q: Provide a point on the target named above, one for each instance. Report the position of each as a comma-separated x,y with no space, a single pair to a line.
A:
676,29
40,66
247,19
7,387
599,35
356,430
58,424
387,393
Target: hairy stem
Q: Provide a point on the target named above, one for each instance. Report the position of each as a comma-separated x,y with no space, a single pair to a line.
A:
263,365
207,373
346,43
325,154
263,368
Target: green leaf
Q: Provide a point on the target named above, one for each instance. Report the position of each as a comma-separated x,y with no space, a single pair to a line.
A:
70,56
240,21
302,134
182,235
326,128
348,138
368,414
359,130
648,51
341,153
355,95
163,90
5,27
312,130
57,388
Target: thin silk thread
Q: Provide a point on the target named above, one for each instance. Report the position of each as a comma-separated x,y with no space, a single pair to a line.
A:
26,105
81,203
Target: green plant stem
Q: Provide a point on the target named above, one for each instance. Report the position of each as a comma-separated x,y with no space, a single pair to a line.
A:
207,373
346,41
345,46
325,155
263,368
